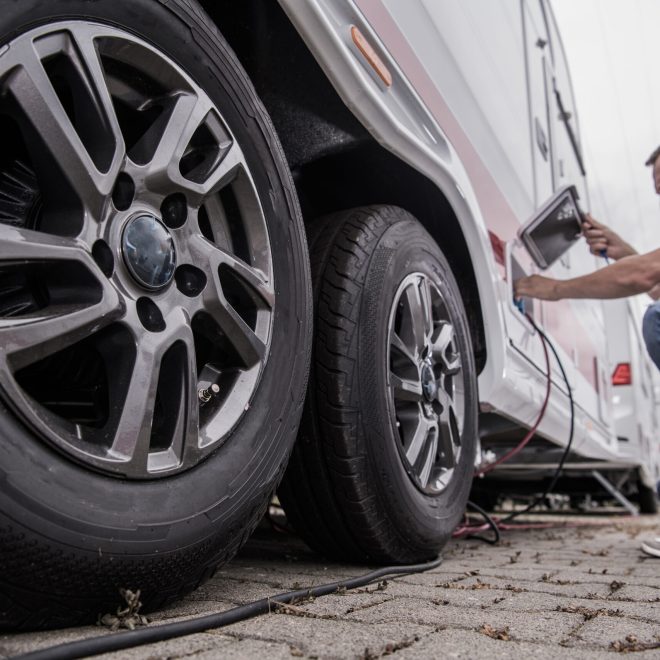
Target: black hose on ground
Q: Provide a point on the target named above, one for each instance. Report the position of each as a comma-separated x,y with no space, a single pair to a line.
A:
130,639
489,521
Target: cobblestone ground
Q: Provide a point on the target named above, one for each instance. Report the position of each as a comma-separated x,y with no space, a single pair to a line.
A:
566,592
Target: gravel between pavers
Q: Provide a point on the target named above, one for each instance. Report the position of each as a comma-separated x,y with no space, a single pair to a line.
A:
584,592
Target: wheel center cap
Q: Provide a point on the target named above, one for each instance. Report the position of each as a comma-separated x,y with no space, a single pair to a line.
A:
149,252
429,385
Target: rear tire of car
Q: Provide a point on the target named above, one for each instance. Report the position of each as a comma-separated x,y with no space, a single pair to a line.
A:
86,510
373,475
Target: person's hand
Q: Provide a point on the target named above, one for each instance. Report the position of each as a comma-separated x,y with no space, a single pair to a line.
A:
602,240
536,286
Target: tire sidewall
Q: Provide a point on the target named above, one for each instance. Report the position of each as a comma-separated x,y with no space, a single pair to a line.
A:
53,497
423,520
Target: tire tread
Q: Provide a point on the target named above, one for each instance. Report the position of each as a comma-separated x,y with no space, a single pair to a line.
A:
325,493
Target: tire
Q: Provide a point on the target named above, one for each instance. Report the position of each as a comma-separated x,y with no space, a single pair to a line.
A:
350,489
155,307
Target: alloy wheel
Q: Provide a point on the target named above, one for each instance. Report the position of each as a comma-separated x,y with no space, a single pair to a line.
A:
136,288
426,389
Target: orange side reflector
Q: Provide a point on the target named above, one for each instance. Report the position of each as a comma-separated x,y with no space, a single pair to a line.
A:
371,56
622,374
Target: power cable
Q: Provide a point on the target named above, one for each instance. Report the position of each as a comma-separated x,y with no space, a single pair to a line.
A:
130,639
501,524
571,433
490,524
532,431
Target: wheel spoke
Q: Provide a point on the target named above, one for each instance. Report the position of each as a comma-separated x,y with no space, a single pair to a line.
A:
251,276
183,399
249,347
418,440
212,258
405,389
91,67
448,442
427,306
133,435
397,343
442,341
27,340
450,361
416,333
32,89
449,437
427,455
229,162
17,245
30,338
444,399
132,440
453,364
187,115
190,407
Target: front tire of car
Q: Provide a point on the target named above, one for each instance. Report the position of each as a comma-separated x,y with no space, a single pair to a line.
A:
154,306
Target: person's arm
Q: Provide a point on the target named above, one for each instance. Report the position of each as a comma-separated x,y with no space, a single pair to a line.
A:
627,277
602,240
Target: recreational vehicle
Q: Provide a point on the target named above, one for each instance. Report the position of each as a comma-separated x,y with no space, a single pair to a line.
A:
269,246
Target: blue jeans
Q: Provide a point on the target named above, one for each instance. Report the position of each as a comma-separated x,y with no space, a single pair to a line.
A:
651,332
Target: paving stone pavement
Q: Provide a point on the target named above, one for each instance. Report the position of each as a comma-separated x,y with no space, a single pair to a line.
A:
565,592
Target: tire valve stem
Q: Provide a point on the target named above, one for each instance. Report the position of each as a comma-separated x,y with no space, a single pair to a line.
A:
205,395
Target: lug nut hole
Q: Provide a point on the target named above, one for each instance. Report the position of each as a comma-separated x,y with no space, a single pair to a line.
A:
189,280
150,316
174,210
124,192
102,255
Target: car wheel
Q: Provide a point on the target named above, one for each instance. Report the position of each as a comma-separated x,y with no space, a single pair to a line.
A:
384,458
155,306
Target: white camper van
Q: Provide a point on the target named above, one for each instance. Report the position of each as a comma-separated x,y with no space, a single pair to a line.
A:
198,199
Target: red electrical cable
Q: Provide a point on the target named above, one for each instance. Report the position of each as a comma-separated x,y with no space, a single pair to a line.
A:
468,529
532,431
496,524
460,532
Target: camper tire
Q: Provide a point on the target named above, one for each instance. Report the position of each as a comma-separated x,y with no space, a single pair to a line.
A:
149,398
383,463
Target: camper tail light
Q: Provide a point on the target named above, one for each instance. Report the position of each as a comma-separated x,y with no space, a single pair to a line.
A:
621,374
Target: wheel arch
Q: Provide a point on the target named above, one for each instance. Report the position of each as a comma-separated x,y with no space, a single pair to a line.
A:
338,164
368,174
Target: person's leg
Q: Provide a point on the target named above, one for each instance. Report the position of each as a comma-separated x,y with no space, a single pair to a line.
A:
651,332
